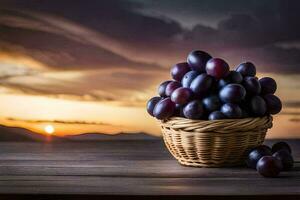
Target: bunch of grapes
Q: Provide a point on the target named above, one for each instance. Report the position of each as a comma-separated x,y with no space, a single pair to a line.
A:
205,88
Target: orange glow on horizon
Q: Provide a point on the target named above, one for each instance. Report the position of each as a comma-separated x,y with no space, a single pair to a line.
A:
99,117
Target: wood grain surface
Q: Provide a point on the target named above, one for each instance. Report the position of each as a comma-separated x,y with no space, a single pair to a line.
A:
127,168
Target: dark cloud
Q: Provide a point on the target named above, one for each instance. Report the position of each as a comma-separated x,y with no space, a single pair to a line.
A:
57,47
123,35
206,12
254,36
244,31
114,18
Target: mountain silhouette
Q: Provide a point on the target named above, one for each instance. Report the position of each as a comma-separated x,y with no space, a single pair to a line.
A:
105,137
16,134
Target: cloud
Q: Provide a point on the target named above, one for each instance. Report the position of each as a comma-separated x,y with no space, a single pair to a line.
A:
254,37
60,43
116,28
118,54
121,28
114,86
68,122
103,71
242,31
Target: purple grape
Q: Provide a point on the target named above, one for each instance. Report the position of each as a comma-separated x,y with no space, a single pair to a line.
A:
281,146
162,88
252,85
232,111
274,104
151,104
179,70
178,110
233,77
246,69
201,84
214,89
164,108
181,95
258,106
268,85
256,154
216,115
211,103
193,110
269,166
232,93
223,82
173,85
217,68
286,159
188,78
197,60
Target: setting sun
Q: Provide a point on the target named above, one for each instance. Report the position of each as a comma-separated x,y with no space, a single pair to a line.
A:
49,129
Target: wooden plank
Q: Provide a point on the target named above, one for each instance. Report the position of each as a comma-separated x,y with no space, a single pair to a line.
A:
162,168
147,186
104,146
135,150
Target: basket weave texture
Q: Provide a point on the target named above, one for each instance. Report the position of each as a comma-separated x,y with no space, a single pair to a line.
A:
217,143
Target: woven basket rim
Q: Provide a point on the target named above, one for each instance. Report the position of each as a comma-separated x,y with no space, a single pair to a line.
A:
212,121
221,126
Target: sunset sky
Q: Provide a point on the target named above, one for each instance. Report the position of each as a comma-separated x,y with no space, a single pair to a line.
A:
90,66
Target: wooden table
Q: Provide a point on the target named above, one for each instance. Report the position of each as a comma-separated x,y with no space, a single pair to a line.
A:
136,167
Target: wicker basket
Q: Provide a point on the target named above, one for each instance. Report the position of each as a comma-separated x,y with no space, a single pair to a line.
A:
217,143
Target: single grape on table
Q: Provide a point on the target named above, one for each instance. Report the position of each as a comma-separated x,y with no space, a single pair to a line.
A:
269,166
281,146
286,159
